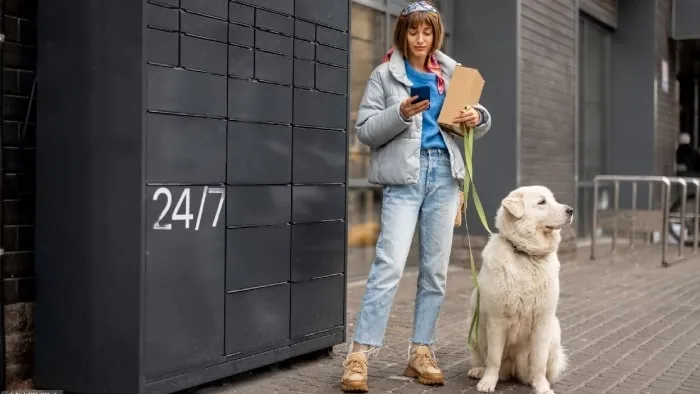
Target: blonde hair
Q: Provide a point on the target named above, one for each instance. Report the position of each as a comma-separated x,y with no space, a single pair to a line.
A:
414,20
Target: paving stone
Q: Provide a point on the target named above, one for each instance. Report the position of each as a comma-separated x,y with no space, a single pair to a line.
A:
629,326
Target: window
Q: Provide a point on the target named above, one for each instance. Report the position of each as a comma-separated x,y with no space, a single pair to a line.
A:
371,34
592,144
367,47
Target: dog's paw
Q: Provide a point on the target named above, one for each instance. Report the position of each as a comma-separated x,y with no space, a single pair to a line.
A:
542,390
545,391
487,384
476,372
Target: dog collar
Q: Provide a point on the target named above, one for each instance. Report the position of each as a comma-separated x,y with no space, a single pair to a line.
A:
516,249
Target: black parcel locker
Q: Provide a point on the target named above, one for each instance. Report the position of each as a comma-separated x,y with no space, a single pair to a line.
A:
191,189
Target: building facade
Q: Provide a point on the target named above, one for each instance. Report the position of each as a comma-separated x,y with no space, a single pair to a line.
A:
576,88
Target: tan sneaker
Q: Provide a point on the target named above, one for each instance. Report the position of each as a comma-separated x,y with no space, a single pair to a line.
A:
355,375
423,366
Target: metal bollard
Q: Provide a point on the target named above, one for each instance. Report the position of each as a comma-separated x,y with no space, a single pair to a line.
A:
696,212
594,220
665,208
684,194
696,219
665,202
634,211
616,210
650,206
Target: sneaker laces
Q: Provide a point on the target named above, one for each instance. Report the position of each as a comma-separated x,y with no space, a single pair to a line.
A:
355,365
423,359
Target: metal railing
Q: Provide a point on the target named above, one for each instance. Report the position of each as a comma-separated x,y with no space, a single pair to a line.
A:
651,214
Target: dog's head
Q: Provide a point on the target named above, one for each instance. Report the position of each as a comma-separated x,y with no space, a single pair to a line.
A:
531,218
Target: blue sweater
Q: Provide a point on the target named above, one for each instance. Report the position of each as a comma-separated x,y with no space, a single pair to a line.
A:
430,135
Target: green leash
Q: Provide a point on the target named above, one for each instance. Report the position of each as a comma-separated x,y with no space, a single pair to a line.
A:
469,180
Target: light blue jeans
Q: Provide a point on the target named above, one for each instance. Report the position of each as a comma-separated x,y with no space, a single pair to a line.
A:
434,200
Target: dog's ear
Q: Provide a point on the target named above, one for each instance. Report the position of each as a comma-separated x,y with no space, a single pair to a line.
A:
514,205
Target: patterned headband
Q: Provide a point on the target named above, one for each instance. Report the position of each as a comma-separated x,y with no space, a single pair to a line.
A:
418,6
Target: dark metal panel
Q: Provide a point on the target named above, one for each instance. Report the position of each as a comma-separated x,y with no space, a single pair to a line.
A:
684,20
258,205
89,194
304,30
185,149
274,68
173,325
303,346
318,203
203,26
332,37
312,312
241,13
317,250
257,256
274,22
185,288
241,62
162,17
319,109
183,91
284,6
273,42
319,156
171,3
259,153
252,101
330,55
215,8
162,47
243,35
304,50
211,373
304,73
329,13
332,79
203,55
257,320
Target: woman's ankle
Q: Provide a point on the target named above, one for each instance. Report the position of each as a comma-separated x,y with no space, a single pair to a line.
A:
359,347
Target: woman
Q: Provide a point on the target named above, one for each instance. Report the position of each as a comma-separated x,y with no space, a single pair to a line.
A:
420,167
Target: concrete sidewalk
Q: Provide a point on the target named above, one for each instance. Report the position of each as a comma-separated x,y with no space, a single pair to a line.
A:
629,326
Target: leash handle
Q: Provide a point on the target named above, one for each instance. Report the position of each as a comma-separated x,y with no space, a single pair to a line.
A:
469,181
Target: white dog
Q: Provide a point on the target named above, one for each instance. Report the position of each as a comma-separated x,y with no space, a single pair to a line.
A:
519,335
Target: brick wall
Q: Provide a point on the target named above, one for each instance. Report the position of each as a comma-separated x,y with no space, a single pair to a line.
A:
667,111
547,110
18,184
604,10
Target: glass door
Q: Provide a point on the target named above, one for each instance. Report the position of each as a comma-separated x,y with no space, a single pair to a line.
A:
594,103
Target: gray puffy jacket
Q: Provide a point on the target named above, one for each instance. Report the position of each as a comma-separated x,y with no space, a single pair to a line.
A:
394,143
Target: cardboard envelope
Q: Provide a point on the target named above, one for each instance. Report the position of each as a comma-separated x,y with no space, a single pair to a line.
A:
465,90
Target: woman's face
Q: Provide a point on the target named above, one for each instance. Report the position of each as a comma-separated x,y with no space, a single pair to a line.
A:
420,40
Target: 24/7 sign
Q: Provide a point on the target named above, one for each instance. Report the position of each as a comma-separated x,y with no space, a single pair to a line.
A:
183,208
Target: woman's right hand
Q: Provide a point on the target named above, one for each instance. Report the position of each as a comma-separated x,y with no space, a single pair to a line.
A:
408,108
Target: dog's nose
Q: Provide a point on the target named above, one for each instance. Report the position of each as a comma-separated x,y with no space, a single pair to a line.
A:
569,210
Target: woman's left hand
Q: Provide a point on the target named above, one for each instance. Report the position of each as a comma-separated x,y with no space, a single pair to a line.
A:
471,117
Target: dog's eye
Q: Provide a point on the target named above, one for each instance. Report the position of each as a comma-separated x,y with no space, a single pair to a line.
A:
542,202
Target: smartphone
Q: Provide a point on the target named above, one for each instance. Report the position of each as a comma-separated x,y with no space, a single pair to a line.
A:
423,93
